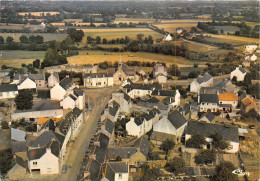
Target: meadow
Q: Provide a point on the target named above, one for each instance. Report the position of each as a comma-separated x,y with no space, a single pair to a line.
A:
134,20
38,13
46,36
198,47
171,27
230,29
234,40
92,57
15,58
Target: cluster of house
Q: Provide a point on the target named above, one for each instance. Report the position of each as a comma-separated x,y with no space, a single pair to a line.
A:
160,112
58,118
249,52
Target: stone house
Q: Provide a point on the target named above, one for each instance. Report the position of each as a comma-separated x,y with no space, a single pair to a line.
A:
24,83
168,97
116,171
239,73
248,104
53,79
8,91
98,80
160,73
202,81
123,99
111,111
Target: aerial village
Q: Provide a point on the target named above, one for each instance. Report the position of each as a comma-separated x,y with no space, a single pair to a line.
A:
138,122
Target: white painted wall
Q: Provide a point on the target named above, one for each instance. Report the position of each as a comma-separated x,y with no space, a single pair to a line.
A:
240,76
68,103
8,95
27,84
98,82
56,113
52,80
233,103
139,93
57,92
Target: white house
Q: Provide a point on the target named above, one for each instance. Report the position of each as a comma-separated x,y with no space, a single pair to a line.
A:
27,84
227,98
44,159
160,73
208,102
39,79
173,124
74,98
167,37
239,72
8,91
59,90
142,124
116,171
140,90
98,80
202,81
251,57
228,133
53,79
250,48
179,30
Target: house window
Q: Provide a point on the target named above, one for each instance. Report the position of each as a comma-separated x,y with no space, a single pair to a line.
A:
220,102
34,163
203,103
120,176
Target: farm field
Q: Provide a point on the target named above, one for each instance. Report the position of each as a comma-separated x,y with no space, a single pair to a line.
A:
46,36
92,57
111,45
198,47
234,40
11,26
15,58
171,27
133,20
230,29
38,13
178,21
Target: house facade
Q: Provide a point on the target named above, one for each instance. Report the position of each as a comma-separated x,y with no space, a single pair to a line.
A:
239,73
53,79
8,91
160,73
98,80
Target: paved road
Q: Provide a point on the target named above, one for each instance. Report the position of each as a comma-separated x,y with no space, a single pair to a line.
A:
98,99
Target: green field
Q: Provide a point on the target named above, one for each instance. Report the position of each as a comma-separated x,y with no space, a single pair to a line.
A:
46,36
230,29
15,58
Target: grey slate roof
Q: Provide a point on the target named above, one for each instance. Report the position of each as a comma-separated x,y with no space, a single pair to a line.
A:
143,144
66,83
115,107
158,92
211,90
109,126
101,150
176,119
94,170
142,86
204,78
228,133
210,98
72,97
153,100
36,153
78,92
45,138
8,87
242,70
19,146
64,124
31,76
123,152
115,167
168,100
209,115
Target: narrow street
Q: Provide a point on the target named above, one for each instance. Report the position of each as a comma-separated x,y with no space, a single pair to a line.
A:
98,99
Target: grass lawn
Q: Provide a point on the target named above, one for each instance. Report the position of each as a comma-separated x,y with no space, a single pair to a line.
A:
133,20
92,57
15,58
46,36
234,40
171,27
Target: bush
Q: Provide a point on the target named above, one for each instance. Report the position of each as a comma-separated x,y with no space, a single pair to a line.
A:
205,157
6,157
196,141
4,125
224,171
177,165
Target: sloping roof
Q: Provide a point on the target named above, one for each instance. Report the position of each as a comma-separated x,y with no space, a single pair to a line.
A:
36,153
46,137
247,101
20,162
153,100
123,152
211,98
209,115
168,100
115,167
176,119
143,144
8,87
139,120
94,170
109,126
227,97
18,135
228,133
19,146
31,76
170,93
204,78
78,92
210,90
114,108
143,86
66,83
42,120
101,150
72,97
242,70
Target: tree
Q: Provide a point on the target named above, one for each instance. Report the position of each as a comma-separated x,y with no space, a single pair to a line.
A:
153,156
227,117
24,39
52,57
36,63
1,40
193,74
177,165
98,40
4,125
196,141
218,142
39,39
23,65
205,157
6,157
224,172
75,35
9,40
32,39
174,70
234,80
150,174
24,100
167,145
133,46
140,37
104,41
